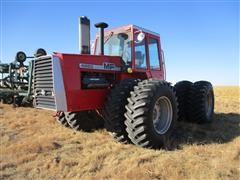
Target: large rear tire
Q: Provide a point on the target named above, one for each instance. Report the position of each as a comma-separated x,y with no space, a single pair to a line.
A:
84,120
151,113
182,89
115,108
201,107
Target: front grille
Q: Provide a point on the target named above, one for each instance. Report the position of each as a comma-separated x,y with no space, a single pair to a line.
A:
43,83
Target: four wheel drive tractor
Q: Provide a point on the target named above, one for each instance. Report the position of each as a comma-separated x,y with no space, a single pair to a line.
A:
122,82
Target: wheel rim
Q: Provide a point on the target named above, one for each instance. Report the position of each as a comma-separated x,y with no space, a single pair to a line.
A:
162,115
209,104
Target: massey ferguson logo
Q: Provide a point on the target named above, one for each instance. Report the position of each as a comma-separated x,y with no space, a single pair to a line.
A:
108,66
105,66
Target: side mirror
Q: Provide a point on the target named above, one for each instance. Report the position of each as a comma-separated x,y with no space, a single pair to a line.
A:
140,37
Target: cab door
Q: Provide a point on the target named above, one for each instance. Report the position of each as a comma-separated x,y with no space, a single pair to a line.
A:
155,58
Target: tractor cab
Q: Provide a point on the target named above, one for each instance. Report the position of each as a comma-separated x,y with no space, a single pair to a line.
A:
139,49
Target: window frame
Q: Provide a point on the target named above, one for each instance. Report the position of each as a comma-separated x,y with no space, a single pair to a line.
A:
133,51
146,54
158,51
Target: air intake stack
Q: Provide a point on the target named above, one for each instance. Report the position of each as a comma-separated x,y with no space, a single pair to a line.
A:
84,35
101,26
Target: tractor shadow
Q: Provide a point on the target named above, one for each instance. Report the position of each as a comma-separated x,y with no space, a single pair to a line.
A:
223,129
91,124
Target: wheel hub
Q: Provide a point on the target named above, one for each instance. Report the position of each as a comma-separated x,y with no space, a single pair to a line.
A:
162,115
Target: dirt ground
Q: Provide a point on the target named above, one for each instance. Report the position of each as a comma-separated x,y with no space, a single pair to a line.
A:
34,146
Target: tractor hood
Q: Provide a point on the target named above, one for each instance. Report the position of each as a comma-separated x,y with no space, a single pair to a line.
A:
90,62
60,79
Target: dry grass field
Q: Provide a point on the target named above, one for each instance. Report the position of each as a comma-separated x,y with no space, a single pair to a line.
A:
34,146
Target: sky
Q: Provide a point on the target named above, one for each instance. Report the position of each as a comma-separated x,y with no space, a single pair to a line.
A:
200,39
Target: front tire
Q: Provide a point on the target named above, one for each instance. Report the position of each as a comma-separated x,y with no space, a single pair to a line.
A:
151,113
115,108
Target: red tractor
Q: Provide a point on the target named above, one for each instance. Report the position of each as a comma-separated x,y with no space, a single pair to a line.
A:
123,82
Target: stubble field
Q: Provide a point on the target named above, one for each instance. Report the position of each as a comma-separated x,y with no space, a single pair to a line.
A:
34,146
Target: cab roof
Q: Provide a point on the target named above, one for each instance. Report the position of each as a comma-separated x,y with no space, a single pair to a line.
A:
128,27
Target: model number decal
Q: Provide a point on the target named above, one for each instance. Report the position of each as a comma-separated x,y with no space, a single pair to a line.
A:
104,66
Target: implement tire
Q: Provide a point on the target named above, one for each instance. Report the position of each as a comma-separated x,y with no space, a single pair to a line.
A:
151,114
8,99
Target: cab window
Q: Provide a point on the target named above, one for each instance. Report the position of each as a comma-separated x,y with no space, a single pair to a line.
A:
153,54
117,45
140,54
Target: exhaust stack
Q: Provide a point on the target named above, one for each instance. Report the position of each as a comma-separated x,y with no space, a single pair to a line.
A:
84,35
101,26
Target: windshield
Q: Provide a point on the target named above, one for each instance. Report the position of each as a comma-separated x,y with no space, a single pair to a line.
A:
117,45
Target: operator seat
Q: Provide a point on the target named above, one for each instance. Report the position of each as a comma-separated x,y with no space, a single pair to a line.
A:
139,59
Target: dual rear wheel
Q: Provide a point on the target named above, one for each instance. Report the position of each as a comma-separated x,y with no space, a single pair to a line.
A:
195,100
153,107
